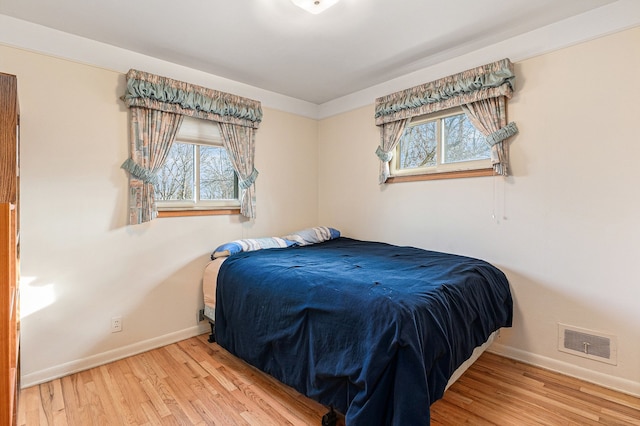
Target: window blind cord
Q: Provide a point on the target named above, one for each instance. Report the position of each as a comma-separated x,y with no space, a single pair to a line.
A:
499,206
493,213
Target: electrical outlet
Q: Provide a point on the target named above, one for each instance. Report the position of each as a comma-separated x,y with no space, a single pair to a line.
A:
116,324
201,315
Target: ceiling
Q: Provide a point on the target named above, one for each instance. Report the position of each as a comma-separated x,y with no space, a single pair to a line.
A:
274,45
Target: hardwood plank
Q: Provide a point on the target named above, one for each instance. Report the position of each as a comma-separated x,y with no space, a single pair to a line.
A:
537,396
609,395
151,413
218,405
60,418
103,394
73,406
218,376
52,401
450,413
181,406
493,407
31,411
122,407
282,395
194,382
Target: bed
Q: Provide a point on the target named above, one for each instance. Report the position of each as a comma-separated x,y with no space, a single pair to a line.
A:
375,330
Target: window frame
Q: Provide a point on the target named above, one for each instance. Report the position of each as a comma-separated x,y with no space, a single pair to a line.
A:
459,169
197,132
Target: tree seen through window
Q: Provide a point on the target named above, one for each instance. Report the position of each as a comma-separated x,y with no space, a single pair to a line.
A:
446,140
196,172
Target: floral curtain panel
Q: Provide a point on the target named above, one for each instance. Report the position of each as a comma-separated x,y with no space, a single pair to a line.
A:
158,105
152,134
475,86
489,116
240,144
390,134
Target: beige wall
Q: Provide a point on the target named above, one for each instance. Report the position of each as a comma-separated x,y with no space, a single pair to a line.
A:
563,227
81,264
566,227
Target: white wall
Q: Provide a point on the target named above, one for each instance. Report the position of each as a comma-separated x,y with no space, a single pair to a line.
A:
81,263
566,226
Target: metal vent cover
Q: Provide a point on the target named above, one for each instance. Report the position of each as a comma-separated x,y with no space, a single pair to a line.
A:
587,344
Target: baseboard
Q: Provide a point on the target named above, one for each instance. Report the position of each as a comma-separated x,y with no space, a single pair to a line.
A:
65,369
611,382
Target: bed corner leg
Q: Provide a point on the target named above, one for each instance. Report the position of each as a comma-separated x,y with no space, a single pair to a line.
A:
212,336
330,418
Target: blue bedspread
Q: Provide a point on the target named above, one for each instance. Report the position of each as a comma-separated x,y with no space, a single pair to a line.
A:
373,329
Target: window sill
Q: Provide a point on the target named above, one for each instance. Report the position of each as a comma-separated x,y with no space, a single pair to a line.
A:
442,175
191,212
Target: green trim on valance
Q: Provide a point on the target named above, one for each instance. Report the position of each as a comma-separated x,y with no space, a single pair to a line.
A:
165,94
487,81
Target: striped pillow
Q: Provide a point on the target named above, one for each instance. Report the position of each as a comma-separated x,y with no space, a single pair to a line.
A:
313,235
249,244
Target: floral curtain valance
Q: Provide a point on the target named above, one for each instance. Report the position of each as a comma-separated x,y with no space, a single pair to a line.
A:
165,94
488,81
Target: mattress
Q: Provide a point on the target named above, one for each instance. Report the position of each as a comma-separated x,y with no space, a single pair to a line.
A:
209,281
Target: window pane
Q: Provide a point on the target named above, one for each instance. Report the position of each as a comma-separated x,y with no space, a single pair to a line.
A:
175,179
462,142
217,177
417,146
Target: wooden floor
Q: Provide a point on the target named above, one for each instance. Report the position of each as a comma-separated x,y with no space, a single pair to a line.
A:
197,383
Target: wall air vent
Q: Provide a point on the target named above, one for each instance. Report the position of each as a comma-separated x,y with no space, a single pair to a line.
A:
587,344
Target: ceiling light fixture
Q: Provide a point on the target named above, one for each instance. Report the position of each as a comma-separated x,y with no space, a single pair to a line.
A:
314,6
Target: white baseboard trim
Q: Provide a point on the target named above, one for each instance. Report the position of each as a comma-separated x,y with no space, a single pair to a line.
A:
605,380
92,361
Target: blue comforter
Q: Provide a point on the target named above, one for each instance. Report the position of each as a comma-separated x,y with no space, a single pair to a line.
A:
373,329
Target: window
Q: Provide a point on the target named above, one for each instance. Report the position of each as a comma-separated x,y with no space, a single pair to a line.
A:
198,173
440,143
